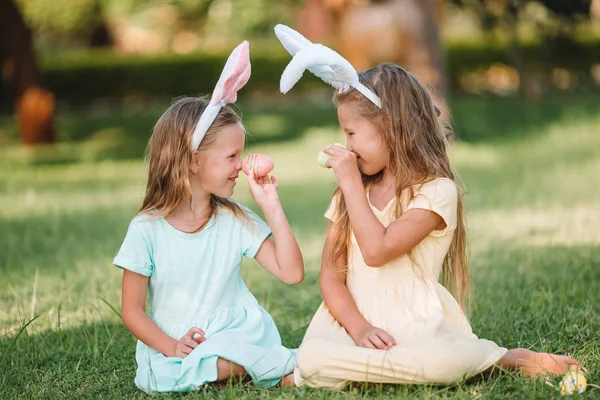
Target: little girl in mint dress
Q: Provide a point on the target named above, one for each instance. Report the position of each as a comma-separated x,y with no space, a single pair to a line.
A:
193,279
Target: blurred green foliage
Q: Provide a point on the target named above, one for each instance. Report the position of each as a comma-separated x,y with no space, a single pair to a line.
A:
76,19
84,77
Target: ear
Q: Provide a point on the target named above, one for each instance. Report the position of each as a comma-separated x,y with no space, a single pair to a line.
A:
387,119
195,162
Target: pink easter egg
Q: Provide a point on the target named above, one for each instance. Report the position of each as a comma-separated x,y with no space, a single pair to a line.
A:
259,163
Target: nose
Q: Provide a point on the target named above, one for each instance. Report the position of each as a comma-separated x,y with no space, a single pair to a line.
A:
238,166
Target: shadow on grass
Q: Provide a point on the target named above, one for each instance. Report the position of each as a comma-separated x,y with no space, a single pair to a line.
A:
491,119
89,136
114,134
58,241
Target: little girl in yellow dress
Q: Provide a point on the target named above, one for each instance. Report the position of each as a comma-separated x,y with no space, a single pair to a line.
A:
396,226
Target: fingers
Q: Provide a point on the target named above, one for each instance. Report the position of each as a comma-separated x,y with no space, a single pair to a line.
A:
387,338
377,339
185,347
193,331
250,178
328,150
333,149
265,180
200,339
377,342
191,334
189,343
365,342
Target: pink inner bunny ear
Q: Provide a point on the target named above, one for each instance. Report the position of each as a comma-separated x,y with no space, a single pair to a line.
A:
231,91
235,74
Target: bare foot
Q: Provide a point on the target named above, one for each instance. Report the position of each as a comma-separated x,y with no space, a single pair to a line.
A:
288,380
533,364
552,364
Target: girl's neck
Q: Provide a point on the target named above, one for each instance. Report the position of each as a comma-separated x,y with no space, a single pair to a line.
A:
387,180
196,208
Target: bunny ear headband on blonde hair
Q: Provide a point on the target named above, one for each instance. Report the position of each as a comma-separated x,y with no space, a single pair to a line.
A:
234,76
322,61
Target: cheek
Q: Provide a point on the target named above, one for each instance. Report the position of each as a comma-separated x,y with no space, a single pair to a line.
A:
211,170
373,147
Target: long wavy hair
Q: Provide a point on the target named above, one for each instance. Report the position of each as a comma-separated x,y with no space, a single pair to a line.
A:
169,154
417,140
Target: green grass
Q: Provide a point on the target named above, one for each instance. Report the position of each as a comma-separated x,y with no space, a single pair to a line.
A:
532,208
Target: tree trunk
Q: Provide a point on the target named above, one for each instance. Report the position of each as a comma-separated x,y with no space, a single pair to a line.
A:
33,104
402,31
101,36
431,68
595,8
312,20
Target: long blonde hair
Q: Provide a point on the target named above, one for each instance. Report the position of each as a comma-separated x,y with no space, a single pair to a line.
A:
169,155
417,141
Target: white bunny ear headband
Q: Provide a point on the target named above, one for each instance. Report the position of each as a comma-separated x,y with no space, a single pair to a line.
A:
323,62
234,76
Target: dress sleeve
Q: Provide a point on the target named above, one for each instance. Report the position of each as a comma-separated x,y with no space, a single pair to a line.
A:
441,197
254,232
330,214
135,253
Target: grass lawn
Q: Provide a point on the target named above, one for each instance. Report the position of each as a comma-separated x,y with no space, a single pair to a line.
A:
533,211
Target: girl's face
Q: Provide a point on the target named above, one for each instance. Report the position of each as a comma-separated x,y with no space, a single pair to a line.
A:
220,164
363,139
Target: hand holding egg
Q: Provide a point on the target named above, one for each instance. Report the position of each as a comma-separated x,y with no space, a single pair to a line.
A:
323,157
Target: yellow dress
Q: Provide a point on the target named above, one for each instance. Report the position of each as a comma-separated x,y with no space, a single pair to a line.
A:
435,343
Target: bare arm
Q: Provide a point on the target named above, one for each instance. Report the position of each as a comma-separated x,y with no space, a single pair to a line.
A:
337,297
134,316
281,255
341,305
379,244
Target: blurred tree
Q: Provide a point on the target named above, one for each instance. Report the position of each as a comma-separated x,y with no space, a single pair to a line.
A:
33,104
78,21
555,28
100,35
595,8
406,32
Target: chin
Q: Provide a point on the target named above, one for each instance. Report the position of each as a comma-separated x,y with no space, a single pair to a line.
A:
224,193
369,171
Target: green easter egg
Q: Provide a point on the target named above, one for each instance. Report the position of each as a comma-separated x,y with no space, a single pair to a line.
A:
322,157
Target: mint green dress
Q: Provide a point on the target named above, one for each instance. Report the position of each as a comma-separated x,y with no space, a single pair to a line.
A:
195,281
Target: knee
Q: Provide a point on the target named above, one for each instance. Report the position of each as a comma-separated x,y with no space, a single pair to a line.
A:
227,369
310,358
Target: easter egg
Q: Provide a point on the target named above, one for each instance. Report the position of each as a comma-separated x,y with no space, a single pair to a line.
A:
260,164
573,382
323,157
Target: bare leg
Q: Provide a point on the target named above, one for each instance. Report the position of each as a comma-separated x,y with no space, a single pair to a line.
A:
226,369
533,364
288,380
